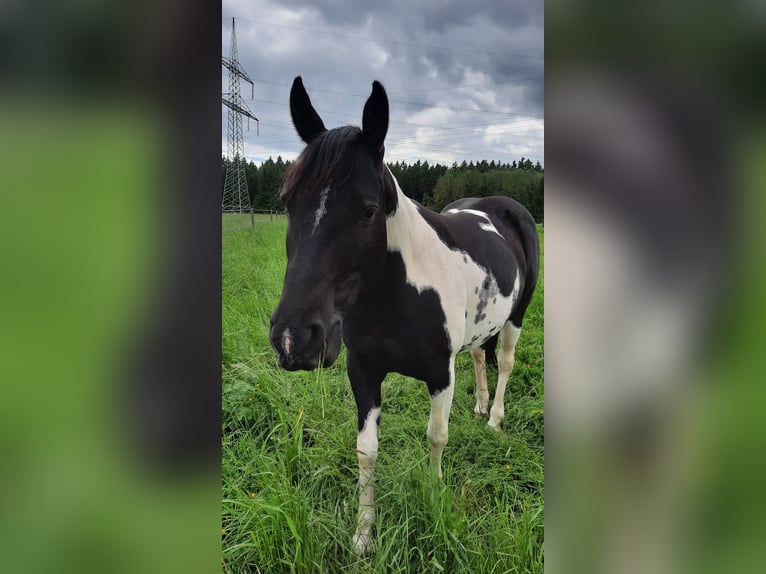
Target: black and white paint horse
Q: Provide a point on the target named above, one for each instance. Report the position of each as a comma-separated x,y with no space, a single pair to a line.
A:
406,288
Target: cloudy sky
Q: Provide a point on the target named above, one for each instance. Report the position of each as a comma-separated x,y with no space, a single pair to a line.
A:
464,80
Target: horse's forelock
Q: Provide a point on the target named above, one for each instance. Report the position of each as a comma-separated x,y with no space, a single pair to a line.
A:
330,159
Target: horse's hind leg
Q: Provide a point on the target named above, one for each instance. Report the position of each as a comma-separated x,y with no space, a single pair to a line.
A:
509,336
480,370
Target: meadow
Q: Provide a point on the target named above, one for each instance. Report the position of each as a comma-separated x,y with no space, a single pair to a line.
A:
289,469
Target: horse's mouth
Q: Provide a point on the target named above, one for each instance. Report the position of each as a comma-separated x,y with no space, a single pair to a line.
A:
293,363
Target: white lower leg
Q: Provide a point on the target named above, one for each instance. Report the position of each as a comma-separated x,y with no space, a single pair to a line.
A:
367,454
509,336
480,370
438,422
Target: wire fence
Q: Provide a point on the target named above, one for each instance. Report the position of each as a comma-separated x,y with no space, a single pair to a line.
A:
250,219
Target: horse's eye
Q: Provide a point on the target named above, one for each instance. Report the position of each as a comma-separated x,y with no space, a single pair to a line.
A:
368,213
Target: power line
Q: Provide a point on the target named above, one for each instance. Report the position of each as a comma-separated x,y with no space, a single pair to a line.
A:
442,89
398,42
467,145
347,94
419,146
402,136
457,109
478,128
485,85
453,108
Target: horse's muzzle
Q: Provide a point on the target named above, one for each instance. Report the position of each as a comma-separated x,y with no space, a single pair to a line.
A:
305,347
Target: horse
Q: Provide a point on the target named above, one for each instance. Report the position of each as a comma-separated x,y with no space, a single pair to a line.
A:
404,287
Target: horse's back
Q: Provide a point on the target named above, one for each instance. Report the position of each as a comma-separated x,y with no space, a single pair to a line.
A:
511,225
503,211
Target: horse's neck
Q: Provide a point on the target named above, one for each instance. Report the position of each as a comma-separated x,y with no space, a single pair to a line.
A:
406,228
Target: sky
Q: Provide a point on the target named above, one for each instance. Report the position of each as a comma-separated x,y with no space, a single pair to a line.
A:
464,80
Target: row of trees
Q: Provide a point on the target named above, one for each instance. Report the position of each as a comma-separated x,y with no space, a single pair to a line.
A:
432,185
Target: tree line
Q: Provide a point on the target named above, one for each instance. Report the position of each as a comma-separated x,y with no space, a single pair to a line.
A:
434,186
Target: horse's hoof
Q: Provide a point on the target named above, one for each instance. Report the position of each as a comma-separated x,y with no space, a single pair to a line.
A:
362,544
495,426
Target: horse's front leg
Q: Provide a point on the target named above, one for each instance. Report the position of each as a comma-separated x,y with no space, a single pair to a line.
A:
441,386
365,384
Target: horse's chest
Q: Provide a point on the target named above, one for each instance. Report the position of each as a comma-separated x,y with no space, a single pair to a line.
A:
398,325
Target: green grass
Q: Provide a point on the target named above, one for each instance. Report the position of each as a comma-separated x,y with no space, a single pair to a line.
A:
290,471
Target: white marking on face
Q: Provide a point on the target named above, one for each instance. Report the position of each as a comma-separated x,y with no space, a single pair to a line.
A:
287,341
488,226
321,210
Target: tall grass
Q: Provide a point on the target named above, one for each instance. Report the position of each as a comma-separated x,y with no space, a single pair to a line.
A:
290,471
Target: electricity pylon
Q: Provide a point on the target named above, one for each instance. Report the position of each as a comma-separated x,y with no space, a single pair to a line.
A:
236,198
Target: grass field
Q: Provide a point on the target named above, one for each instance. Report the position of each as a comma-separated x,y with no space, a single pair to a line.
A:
290,471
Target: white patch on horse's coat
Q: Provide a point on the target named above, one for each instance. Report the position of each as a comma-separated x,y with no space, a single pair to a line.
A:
438,422
455,277
321,210
367,453
488,226
516,287
287,341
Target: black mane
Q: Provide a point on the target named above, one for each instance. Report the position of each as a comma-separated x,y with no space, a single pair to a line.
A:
329,159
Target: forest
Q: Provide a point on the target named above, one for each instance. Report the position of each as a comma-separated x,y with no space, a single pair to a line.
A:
434,186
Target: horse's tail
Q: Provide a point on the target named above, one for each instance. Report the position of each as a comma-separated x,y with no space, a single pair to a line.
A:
523,221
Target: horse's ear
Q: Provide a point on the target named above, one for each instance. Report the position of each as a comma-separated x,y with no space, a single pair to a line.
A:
375,117
305,118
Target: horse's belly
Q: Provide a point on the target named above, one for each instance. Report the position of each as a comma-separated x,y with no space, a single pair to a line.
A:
482,321
486,310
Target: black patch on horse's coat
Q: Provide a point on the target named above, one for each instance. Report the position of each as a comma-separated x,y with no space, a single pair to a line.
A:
407,334
390,198
490,346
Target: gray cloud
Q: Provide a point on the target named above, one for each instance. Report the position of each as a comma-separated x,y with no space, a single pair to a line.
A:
438,62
